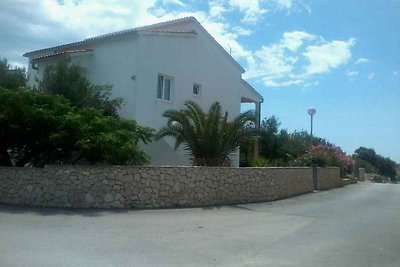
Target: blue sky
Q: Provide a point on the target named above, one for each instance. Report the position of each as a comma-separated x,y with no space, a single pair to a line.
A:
341,57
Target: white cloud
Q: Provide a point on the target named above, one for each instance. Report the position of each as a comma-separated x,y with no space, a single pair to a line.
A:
330,55
175,2
293,40
352,73
93,17
284,4
310,84
251,8
278,64
362,60
254,10
277,60
54,23
273,83
216,8
15,64
274,60
297,58
371,76
242,31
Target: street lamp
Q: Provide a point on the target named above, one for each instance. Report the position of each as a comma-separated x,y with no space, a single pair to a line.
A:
311,112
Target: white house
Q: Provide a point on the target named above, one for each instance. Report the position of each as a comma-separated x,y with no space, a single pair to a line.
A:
156,68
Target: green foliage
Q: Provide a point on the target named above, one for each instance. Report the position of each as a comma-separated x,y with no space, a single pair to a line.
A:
101,138
11,78
279,145
260,162
327,156
289,146
367,158
208,137
26,118
67,80
269,142
360,163
40,128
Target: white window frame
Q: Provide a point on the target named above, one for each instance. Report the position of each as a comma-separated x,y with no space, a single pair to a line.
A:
199,89
161,93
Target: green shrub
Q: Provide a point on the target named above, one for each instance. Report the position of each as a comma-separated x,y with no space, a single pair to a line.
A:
327,156
38,128
260,162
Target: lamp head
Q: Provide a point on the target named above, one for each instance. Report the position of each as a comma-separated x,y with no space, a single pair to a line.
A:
312,111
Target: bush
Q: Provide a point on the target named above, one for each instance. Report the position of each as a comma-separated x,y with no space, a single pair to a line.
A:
260,162
38,128
327,156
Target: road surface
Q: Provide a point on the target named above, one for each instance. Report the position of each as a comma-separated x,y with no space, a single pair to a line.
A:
353,226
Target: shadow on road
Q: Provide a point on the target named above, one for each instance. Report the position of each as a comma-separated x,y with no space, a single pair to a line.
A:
16,209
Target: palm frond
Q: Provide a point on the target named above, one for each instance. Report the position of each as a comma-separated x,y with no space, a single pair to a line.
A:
209,137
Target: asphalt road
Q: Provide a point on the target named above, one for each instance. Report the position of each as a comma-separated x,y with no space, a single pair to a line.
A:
353,226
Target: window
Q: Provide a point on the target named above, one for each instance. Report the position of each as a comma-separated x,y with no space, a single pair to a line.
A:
196,89
164,87
35,66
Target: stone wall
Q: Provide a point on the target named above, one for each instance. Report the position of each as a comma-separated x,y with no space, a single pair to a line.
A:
149,187
327,178
360,174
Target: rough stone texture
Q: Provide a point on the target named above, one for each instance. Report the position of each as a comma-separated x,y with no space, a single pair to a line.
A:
328,178
150,187
348,181
376,178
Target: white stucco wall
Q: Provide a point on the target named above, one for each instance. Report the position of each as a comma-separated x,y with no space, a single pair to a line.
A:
187,60
83,60
114,62
131,66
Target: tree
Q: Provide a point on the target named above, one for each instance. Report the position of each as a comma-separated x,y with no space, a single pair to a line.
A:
26,120
39,128
98,138
11,78
283,147
67,80
371,161
209,137
269,137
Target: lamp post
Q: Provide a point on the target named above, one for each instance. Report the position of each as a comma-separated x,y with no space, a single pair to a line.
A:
311,112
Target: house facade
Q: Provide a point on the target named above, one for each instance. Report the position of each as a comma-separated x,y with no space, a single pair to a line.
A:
156,68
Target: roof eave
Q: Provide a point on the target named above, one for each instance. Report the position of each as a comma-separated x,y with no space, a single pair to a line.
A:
253,90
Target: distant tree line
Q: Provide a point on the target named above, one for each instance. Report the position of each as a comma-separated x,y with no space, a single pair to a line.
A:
279,147
374,163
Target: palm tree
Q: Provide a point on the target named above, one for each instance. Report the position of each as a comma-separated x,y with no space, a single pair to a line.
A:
208,137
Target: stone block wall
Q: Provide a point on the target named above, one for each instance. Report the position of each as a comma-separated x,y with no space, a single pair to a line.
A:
360,174
149,187
328,178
